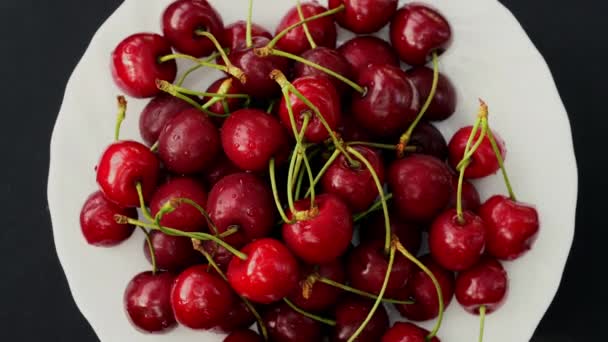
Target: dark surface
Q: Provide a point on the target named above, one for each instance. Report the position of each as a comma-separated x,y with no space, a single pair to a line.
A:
42,42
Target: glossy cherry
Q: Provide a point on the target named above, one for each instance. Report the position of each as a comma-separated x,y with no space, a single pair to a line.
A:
235,33
428,140
511,227
390,103
485,284
421,187
147,301
417,31
483,162
156,113
408,234
328,58
244,336
407,332
269,273
239,317
221,168
136,66
97,221
470,196
350,313
230,104
321,296
184,217
286,325
364,16
172,253
251,138
124,164
443,104
362,51
457,245
323,30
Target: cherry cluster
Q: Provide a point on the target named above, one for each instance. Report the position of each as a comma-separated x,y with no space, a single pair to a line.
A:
307,149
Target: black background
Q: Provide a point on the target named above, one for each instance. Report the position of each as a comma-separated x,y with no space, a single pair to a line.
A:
41,42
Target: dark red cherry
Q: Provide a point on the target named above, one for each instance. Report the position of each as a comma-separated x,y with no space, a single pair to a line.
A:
422,291
364,16
470,196
417,31
350,130
322,94
147,301
328,58
483,162
226,106
350,313
97,221
269,273
325,235
220,255
485,284
124,164
323,30
156,113
443,104
286,325
409,235
243,336
321,296
183,18
220,169
251,138
407,332
457,245
421,187
390,103
136,66
172,253
362,51
354,185
189,142
511,227
239,317
201,300
185,217
428,140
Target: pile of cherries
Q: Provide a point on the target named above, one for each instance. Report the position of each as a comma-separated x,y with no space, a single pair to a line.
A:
251,193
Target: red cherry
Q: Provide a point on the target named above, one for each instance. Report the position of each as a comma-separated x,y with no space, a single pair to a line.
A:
321,93
251,138
421,187
135,64
286,325
321,296
97,221
231,104
172,253
147,301
269,273
407,332
124,164
328,58
485,284
156,114
443,104
470,196
355,186
189,142
457,245
364,16
185,217
220,169
351,131
220,255
390,103
428,140
422,291
235,33
511,227
243,336
350,313
239,317
483,161
409,235
323,30
362,51
325,235
417,31
200,300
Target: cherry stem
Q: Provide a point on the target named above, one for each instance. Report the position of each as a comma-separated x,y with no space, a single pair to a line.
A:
275,192
150,249
271,106
154,146
217,45
187,73
202,63
248,37
377,205
301,175
200,209
308,314
311,41
373,144
122,111
142,202
464,163
482,319
171,89
500,160
324,169
359,292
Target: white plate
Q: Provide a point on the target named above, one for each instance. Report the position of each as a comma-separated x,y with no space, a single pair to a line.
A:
491,58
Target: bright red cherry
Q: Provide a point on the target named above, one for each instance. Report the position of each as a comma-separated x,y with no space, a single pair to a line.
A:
364,16
362,51
184,217
136,66
156,113
147,301
226,106
124,164
350,313
417,31
443,104
97,221
239,317
328,58
457,245
483,161
269,273
407,332
172,253
408,234
251,138
220,169
470,196
485,284
323,30
286,325
243,336
321,296
428,140
234,34
511,227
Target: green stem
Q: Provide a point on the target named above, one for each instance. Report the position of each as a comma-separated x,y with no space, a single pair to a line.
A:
324,169
275,193
372,144
361,293
142,202
154,147
201,210
150,249
294,157
459,210
463,164
187,73
301,175
271,106
171,88
217,45
377,205
311,41
309,315
248,38
469,153
482,320
122,111
193,59
500,160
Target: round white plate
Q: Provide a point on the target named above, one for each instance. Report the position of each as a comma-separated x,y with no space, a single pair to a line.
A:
491,58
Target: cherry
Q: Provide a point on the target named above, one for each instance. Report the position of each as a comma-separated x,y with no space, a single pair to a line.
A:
97,221
350,313
228,104
239,317
511,227
417,31
234,34
322,31
354,185
322,94
181,21
201,300
484,284
409,235
422,291
324,235
328,58
421,187
350,131
362,51
364,16
156,113
407,332
483,162
221,256
184,217
221,168
147,301
243,336
189,142
390,103
124,164
286,325
470,196
443,104
172,253
251,138
428,140
135,64
269,273
456,243
321,296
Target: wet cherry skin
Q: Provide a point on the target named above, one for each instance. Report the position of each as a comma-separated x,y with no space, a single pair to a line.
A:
220,169
234,34
362,51
322,296
286,325
407,332
349,315
364,16
328,58
147,301
443,104
185,217
323,30
484,284
428,140
483,161
97,221
156,113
